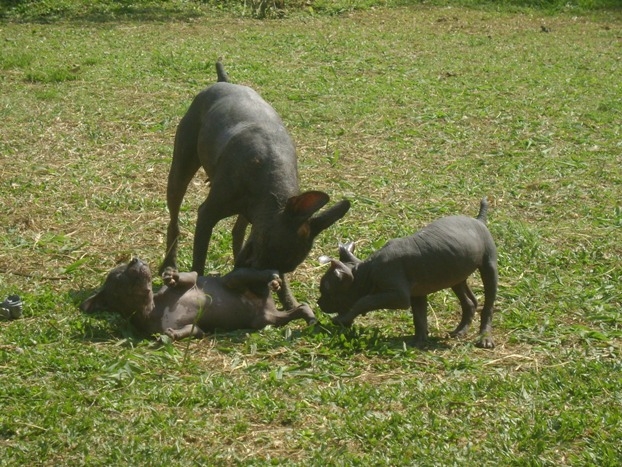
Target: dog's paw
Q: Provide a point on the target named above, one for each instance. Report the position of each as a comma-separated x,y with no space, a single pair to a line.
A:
339,320
275,283
485,342
308,314
170,276
458,333
420,343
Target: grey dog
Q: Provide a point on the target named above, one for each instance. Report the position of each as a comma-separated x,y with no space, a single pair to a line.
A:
403,272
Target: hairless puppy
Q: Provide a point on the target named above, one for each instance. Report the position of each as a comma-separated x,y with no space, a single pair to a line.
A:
189,305
403,272
250,160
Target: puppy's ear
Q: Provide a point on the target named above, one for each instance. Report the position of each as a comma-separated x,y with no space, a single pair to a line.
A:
346,253
342,273
94,303
324,259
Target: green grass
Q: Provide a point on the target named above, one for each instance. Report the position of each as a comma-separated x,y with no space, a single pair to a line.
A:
412,112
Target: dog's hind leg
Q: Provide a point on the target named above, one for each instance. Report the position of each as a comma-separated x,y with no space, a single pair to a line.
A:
490,278
190,330
468,302
183,167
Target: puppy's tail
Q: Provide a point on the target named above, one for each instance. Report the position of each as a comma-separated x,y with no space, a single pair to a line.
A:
222,74
483,210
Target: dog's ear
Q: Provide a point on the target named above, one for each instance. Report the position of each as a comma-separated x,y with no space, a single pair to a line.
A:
346,253
94,303
328,217
303,206
342,273
324,259
349,247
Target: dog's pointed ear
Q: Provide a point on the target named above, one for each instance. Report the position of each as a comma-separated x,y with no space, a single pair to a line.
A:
324,259
346,253
328,217
94,303
341,272
304,205
349,246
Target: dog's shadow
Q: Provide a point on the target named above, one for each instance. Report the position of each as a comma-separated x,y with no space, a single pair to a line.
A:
361,339
105,326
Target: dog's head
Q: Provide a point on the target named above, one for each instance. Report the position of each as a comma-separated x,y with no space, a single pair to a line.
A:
287,240
336,291
127,290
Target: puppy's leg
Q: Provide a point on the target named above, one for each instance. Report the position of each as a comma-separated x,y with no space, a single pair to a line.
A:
180,280
397,299
190,330
419,309
468,302
258,281
490,278
281,318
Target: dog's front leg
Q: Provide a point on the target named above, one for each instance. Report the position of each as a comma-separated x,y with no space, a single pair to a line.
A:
419,308
285,295
392,300
172,278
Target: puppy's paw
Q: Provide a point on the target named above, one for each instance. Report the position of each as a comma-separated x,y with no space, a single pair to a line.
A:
170,276
308,314
275,283
485,342
340,320
420,342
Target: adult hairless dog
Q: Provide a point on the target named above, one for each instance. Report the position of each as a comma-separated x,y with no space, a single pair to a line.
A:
250,160
189,305
404,271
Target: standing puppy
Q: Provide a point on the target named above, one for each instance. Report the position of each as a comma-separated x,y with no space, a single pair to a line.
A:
250,160
403,272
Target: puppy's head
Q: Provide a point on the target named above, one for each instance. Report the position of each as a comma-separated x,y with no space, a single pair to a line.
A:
336,295
127,290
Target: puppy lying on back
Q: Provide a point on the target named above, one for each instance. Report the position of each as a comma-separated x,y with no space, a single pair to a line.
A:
188,305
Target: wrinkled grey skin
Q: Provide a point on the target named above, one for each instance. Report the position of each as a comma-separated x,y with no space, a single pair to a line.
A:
250,160
188,305
403,272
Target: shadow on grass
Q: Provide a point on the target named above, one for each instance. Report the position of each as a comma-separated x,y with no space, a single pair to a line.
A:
357,339
102,326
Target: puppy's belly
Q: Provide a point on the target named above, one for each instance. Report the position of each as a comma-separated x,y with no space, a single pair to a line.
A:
439,281
185,310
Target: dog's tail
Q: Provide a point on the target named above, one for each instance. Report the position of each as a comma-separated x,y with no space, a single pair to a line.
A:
222,74
483,210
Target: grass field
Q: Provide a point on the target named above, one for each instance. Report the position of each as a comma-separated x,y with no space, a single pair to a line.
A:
410,111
